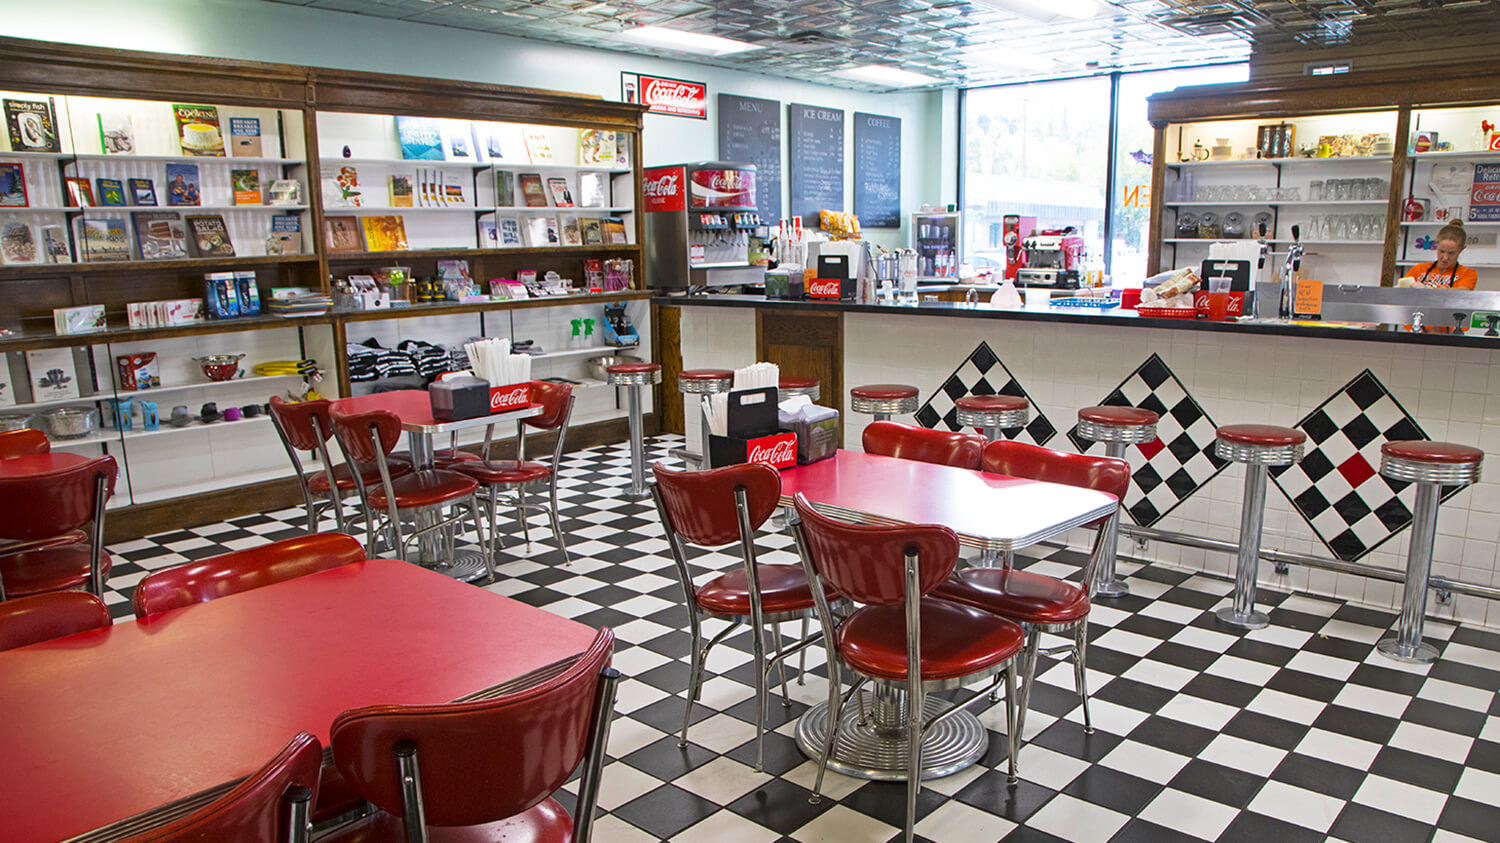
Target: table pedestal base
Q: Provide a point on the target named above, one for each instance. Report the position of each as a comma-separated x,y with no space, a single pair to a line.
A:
466,566
878,752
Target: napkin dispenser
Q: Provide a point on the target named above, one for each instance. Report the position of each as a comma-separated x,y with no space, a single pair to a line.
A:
751,423
459,398
817,430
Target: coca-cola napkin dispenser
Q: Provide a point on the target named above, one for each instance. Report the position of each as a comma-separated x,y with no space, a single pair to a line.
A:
753,437
833,282
459,398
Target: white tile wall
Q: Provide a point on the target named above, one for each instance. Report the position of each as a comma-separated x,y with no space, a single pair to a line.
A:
1454,393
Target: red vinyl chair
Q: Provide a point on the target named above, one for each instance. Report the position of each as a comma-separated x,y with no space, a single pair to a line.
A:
45,505
307,426
483,770
714,508
23,443
1039,602
912,442
269,806
42,617
889,572
519,476
243,570
368,438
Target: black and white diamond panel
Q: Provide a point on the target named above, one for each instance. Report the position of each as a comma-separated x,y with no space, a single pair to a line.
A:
1166,471
1337,487
982,373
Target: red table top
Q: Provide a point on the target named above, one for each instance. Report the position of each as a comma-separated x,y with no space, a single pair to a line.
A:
414,408
39,463
106,724
987,511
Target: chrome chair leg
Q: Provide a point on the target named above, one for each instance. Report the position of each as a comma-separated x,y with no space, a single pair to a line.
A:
758,649
775,630
695,679
557,533
802,656
1012,725
1080,669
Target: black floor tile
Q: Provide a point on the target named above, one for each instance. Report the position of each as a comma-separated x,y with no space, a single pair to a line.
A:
1418,769
1136,695
1363,824
1069,739
1319,776
1474,819
1446,717
1141,831
1113,789
780,806
1181,655
1273,731
1300,684
1356,724
1173,735
666,811
1250,827
1221,784
666,760
1015,802
1221,690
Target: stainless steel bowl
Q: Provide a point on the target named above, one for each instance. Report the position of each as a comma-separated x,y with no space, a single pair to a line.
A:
14,421
597,364
69,422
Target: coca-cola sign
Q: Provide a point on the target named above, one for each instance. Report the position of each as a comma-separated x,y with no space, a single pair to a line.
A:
1484,199
779,451
663,188
664,95
727,188
504,399
824,288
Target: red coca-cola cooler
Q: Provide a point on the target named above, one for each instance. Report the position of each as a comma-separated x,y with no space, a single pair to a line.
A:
700,223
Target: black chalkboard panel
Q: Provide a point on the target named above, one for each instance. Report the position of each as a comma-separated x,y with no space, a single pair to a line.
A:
815,144
877,170
750,133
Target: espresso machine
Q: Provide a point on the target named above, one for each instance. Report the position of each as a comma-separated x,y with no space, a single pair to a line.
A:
1051,258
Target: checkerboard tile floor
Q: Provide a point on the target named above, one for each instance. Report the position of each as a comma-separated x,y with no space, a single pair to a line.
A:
1296,732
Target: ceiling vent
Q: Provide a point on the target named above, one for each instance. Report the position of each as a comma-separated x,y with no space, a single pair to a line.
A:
807,41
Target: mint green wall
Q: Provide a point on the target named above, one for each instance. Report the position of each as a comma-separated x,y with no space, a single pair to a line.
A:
295,35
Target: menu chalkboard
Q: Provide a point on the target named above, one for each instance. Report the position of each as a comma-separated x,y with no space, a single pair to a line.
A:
750,133
816,147
877,170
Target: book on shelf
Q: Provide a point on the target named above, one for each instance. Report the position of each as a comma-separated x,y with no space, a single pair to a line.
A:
17,245
505,189
210,237
341,188
510,229
487,235
198,130
142,191
246,186
458,140
111,192
286,234
427,187
401,195
453,270
385,234
531,190
453,188
182,185
596,146
593,191
614,232
244,137
80,193
421,138
492,139
32,125
570,232
55,245
13,186
285,192
160,235
622,150
53,373
536,231
116,133
561,196
102,239
593,234
538,148
342,234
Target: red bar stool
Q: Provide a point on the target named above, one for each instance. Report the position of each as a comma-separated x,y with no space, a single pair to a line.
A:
792,385
993,413
883,400
702,382
1430,465
1117,428
1259,446
633,376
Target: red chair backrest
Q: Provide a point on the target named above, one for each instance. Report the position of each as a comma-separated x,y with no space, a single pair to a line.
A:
910,442
479,761
42,617
243,570
1033,462
23,443
296,422
700,504
868,564
354,431
39,506
554,400
255,811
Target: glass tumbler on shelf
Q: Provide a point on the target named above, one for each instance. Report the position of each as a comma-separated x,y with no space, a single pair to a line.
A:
1316,228
1338,227
1315,191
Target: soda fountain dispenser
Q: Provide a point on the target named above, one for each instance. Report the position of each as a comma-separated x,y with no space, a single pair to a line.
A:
701,223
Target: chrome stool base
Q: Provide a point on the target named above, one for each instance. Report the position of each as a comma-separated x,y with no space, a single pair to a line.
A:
1244,620
1112,589
869,752
1393,648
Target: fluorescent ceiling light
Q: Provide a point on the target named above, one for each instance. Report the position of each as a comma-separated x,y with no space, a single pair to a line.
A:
689,42
881,74
1008,58
1045,10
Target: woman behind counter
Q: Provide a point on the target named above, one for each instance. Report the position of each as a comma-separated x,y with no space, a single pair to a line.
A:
1445,271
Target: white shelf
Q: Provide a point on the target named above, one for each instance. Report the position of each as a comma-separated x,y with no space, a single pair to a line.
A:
1352,159
35,156
1218,204
215,484
206,384
1339,202
1256,162
1440,224
334,161
1478,154
62,402
167,429
572,209
191,159
33,209
89,209
1252,240
559,168
391,209
581,352
1281,162
99,436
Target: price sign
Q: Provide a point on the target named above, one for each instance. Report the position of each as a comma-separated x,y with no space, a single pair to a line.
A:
1309,301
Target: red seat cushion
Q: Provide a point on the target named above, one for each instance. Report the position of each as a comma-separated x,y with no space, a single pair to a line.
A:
54,568
632,368
884,391
1122,416
956,640
345,478
991,403
705,375
1268,435
425,488
504,472
794,382
1423,450
783,588
1023,597
547,822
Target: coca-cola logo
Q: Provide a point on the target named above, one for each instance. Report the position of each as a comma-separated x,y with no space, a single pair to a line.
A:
824,288
665,185
1486,194
669,92
779,452
503,398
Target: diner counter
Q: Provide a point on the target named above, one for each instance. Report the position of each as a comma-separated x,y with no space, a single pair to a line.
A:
1094,316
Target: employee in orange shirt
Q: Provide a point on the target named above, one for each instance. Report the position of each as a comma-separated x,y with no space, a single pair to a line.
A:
1446,270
